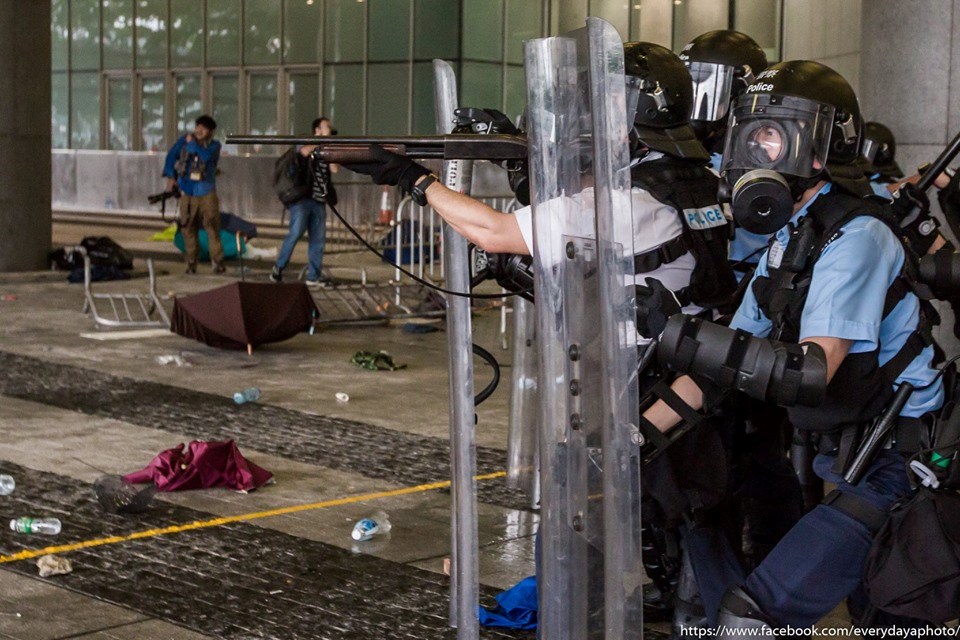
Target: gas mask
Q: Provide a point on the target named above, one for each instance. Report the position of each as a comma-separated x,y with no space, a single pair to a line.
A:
776,149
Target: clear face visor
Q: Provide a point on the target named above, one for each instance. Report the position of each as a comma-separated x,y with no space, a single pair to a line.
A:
712,88
780,133
871,149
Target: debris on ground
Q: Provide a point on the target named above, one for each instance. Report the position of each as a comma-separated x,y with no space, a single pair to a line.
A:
174,358
379,361
447,566
7,484
116,495
51,565
342,398
377,524
29,526
8,297
250,394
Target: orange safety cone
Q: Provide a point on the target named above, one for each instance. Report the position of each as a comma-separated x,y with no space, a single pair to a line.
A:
386,210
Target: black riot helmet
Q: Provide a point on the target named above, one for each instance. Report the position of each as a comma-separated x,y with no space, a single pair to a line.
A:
722,64
662,121
797,124
879,149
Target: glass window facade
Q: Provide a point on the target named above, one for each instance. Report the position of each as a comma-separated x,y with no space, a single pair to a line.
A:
117,34
118,114
186,33
189,102
303,32
152,100
60,34
304,101
85,110
261,39
226,99
151,29
84,35
150,67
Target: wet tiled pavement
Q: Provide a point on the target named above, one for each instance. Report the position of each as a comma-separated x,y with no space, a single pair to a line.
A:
233,581
333,443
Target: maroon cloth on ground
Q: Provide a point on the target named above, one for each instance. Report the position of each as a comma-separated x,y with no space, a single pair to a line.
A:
203,465
242,313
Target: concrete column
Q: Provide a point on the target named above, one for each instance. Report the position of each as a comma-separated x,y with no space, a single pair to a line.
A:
24,134
910,81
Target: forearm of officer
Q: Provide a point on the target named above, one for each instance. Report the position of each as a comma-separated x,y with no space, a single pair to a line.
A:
662,416
489,229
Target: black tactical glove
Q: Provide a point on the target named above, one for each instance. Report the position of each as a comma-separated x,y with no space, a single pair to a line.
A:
390,168
655,303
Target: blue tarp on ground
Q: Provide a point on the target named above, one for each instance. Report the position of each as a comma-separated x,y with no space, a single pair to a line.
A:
516,607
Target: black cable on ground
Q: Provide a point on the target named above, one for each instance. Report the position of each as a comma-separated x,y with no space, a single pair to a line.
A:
460,294
488,390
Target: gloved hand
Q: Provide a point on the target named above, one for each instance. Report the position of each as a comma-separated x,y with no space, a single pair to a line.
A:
390,168
655,303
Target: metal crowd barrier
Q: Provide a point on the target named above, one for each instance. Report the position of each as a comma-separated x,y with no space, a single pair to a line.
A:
127,310
416,244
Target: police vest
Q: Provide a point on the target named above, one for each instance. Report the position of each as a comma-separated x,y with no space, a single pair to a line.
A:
691,189
861,388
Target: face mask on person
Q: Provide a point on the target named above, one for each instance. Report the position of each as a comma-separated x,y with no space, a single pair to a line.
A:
774,153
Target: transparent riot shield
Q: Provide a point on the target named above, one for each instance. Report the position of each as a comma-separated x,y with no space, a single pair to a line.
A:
522,449
464,571
591,573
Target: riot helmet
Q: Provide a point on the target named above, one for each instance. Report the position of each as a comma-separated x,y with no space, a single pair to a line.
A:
879,151
661,120
722,64
797,124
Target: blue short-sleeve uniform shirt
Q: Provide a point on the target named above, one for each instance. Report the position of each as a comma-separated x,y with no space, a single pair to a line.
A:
846,299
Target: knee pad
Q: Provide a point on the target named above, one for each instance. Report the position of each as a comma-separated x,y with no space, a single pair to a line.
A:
739,611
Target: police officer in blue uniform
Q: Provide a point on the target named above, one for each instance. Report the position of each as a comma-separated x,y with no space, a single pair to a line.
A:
829,328
722,64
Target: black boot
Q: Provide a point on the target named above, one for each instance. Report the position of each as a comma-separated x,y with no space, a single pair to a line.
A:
661,561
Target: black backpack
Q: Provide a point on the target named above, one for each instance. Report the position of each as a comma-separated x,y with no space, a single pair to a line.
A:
913,568
291,180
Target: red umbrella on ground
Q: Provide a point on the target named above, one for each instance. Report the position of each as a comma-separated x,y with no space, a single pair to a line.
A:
244,314
203,465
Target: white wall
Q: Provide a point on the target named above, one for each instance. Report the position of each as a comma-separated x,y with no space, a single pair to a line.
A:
827,31
910,81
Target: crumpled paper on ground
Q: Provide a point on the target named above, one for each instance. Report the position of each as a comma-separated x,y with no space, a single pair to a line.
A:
51,565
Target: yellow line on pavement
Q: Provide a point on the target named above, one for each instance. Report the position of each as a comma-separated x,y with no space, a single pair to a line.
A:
219,522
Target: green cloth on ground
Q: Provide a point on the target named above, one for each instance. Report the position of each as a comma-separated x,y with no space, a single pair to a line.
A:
379,361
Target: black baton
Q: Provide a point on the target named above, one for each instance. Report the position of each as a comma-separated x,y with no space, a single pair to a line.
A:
878,434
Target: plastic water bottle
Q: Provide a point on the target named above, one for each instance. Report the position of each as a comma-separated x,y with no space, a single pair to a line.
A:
376,525
47,526
251,394
7,485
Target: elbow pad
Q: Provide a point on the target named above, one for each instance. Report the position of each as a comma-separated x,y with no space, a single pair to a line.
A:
768,370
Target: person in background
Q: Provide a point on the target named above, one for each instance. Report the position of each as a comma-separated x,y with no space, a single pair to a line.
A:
191,166
309,215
